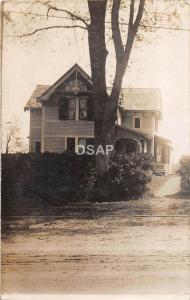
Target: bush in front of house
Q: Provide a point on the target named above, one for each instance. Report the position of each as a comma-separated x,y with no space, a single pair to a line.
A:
128,177
37,180
185,174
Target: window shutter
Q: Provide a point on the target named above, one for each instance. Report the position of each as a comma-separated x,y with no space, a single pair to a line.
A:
63,109
90,109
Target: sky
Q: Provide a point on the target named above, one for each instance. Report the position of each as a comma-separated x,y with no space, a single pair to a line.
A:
161,61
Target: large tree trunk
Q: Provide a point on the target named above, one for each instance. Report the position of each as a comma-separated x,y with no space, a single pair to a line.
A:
105,108
98,55
105,105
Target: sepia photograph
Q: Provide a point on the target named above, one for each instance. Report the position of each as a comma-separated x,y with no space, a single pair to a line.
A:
95,149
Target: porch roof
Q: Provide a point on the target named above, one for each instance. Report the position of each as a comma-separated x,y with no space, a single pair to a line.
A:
124,132
163,140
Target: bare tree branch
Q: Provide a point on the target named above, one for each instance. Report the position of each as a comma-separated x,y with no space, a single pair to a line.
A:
52,27
11,137
116,33
133,26
131,14
122,63
8,137
73,16
139,14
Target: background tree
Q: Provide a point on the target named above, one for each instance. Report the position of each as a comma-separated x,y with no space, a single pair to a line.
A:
12,141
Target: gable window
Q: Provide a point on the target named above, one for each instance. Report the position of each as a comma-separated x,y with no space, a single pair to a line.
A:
67,109
137,122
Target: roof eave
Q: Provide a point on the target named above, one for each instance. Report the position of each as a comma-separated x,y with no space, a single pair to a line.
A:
31,107
144,135
51,89
140,110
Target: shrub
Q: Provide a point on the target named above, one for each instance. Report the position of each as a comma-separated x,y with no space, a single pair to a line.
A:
185,174
128,176
37,180
41,179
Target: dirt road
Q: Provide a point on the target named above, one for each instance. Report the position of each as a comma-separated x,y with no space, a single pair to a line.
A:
134,247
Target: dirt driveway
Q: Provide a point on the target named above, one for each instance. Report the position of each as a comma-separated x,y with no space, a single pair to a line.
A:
133,247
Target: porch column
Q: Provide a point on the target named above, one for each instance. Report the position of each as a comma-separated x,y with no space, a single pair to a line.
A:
150,146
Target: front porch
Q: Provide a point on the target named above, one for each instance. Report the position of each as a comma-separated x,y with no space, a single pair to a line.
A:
127,140
162,151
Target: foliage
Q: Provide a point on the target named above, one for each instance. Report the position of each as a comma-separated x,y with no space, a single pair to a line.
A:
35,180
185,174
128,177
46,176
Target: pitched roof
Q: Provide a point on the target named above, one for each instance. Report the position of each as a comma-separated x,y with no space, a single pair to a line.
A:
32,102
131,99
74,68
147,99
140,99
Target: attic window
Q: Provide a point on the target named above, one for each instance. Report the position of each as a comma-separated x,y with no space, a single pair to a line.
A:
137,122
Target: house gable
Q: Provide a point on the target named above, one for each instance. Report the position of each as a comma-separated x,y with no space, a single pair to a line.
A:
73,81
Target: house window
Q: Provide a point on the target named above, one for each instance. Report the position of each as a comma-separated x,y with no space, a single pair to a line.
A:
71,144
67,109
137,122
38,147
83,109
86,109
83,143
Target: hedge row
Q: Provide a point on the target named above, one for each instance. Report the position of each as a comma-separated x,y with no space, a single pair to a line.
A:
34,180
42,179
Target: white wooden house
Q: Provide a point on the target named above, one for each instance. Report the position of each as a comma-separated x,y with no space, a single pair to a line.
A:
61,117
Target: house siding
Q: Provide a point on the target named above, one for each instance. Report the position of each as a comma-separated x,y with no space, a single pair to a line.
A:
46,127
147,122
35,128
55,132
55,144
69,128
36,133
52,113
